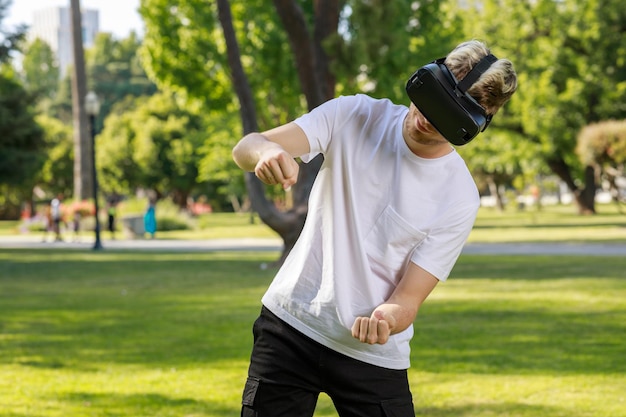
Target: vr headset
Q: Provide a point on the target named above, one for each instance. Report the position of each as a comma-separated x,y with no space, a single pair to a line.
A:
445,102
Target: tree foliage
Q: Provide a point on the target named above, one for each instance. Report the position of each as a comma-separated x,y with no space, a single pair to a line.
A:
154,146
602,145
56,173
382,42
569,54
21,138
21,144
179,49
184,50
215,46
500,159
40,69
114,72
216,165
570,57
290,55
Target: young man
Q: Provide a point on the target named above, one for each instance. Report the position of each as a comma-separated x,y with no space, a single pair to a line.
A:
389,213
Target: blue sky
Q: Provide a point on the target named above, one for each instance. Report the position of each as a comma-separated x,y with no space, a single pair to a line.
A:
116,16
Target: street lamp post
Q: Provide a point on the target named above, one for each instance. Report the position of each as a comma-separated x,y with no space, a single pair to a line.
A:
92,107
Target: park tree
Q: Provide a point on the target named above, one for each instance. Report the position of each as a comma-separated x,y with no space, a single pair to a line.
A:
61,105
271,59
570,58
41,76
55,176
83,148
117,172
500,160
185,49
602,146
40,70
216,165
114,72
383,42
21,138
21,144
154,145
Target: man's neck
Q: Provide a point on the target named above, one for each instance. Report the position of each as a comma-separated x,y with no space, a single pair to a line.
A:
428,150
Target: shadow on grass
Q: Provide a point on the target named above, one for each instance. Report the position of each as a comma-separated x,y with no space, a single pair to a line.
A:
499,409
167,309
517,409
538,267
528,315
81,310
498,341
149,404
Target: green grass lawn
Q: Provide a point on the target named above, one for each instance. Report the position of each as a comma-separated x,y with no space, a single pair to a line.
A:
128,334
550,224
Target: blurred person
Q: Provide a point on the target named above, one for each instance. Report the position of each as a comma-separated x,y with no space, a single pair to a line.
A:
56,213
76,219
149,219
111,212
48,224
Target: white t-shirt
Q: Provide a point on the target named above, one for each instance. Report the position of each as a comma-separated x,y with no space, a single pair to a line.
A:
374,207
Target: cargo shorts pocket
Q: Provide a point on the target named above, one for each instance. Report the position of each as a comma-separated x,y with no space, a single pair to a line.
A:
249,394
400,407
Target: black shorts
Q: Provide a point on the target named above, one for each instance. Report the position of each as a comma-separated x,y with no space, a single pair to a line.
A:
288,371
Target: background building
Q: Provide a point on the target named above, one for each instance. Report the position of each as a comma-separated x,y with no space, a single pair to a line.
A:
54,26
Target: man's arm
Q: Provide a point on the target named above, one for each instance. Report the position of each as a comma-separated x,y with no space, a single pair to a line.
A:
399,311
271,154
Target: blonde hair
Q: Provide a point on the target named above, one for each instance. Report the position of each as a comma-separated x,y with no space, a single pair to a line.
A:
495,86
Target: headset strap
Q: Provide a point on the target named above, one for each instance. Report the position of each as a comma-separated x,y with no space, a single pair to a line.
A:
475,73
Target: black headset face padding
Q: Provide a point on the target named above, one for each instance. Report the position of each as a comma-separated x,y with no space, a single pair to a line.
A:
445,102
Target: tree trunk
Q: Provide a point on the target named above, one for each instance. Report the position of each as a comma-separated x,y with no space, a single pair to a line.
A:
317,84
326,24
180,198
585,198
612,175
82,142
495,192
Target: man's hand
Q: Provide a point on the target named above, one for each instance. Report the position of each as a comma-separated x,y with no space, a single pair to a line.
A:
399,311
270,155
374,329
276,166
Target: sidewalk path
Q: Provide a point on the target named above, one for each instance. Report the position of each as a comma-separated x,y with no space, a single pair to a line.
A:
242,244
588,249
274,244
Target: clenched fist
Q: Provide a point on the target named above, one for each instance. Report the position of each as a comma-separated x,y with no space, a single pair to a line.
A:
374,329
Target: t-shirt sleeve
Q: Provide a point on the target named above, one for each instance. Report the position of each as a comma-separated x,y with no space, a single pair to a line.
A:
318,125
442,247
